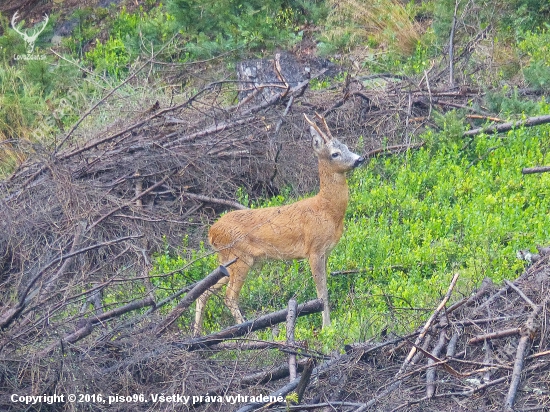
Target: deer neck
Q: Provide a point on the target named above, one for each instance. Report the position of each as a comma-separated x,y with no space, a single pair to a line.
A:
333,189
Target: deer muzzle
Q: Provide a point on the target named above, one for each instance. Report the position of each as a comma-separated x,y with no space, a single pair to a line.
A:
359,162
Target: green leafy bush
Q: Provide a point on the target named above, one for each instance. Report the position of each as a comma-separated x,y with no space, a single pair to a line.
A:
534,45
230,24
110,57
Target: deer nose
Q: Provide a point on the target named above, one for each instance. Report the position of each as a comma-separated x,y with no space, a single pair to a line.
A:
359,162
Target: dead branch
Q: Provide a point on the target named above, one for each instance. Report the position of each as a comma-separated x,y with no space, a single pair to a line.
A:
209,199
495,335
304,379
87,329
527,334
391,150
506,127
191,296
285,390
313,306
428,324
290,324
431,372
521,294
532,170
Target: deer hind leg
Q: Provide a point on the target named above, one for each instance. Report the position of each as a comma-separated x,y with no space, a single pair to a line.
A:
201,304
237,276
318,264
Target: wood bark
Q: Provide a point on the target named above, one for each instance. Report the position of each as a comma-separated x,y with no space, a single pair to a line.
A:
191,296
313,306
506,127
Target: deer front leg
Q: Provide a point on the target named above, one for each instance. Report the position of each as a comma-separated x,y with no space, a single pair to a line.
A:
237,276
201,305
318,264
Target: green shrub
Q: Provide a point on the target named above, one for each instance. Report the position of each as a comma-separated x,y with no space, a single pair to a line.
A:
110,57
534,46
230,24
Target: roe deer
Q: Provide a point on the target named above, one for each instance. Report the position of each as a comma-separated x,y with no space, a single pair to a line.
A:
309,228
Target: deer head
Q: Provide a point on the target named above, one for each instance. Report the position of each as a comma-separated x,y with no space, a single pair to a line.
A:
29,39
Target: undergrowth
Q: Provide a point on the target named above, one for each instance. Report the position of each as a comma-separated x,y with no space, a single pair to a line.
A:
412,222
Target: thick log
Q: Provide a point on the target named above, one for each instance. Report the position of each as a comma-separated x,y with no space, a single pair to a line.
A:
313,306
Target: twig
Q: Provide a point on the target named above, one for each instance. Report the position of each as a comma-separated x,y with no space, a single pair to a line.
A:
428,324
520,293
91,109
10,314
390,150
129,202
87,329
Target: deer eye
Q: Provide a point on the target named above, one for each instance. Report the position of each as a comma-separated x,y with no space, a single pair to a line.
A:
335,155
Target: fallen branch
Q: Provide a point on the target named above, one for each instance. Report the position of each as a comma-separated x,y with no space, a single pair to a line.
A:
330,405
87,329
495,335
209,199
289,387
255,379
431,372
313,306
428,324
304,379
10,314
505,127
528,333
532,170
521,294
193,295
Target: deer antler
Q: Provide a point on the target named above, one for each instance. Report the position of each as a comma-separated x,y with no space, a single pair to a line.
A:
322,120
29,39
317,129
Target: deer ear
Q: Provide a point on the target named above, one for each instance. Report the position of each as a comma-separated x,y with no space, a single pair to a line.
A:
317,140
